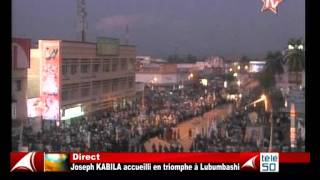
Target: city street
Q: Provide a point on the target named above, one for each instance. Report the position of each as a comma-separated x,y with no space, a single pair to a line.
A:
194,123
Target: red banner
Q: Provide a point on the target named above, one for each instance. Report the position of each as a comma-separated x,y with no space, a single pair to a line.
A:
103,157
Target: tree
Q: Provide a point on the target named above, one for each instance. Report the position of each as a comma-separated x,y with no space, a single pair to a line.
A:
267,82
229,77
277,99
244,59
274,63
174,58
191,58
295,58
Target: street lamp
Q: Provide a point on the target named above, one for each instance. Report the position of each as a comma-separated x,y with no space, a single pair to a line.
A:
290,47
238,82
239,67
190,76
230,69
235,74
265,99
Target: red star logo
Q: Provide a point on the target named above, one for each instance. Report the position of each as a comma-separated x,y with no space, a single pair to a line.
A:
271,5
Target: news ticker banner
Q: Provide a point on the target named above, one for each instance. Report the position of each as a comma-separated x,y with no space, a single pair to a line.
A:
104,161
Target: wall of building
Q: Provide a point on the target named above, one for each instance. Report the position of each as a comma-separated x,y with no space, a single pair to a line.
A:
19,93
34,74
20,63
162,79
87,80
96,82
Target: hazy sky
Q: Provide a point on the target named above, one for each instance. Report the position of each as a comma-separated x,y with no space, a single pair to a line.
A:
157,27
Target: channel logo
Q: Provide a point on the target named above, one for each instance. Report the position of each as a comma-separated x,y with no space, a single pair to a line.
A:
263,162
26,162
269,162
250,161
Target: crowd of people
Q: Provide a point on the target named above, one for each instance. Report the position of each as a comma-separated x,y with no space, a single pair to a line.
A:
128,129
124,130
238,132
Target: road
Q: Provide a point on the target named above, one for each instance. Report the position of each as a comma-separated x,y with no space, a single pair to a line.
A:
194,123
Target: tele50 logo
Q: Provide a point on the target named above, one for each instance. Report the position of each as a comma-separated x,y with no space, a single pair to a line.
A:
269,162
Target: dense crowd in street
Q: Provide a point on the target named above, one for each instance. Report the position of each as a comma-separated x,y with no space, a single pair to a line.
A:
128,129
238,132
123,130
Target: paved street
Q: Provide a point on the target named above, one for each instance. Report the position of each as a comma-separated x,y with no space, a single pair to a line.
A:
194,123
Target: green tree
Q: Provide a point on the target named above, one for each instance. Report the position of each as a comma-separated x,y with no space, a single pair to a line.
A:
295,58
174,58
274,64
273,96
229,77
244,59
191,58
266,81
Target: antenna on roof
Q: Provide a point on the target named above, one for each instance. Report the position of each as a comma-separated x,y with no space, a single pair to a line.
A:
82,18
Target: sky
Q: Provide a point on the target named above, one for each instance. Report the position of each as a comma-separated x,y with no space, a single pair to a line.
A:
158,28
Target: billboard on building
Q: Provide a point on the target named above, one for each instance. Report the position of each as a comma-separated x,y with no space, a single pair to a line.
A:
21,53
72,112
50,79
107,46
34,107
256,66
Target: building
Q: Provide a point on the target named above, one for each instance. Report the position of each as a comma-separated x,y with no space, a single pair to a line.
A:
167,74
215,62
256,66
72,78
20,63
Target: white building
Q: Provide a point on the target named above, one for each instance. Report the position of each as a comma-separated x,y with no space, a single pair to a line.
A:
166,74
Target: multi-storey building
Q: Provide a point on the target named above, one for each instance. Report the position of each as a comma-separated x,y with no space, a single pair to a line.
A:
73,78
167,74
20,63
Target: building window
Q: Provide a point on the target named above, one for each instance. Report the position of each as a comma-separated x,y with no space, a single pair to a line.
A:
95,68
84,68
106,67
85,92
115,83
122,82
73,94
64,95
96,88
131,81
18,85
64,69
114,64
105,87
14,110
123,64
73,69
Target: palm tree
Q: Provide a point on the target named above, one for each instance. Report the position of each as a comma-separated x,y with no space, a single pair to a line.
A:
267,82
229,77
244,59
295,58
274,64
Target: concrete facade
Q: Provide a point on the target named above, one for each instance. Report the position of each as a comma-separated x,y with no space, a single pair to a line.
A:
89,81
